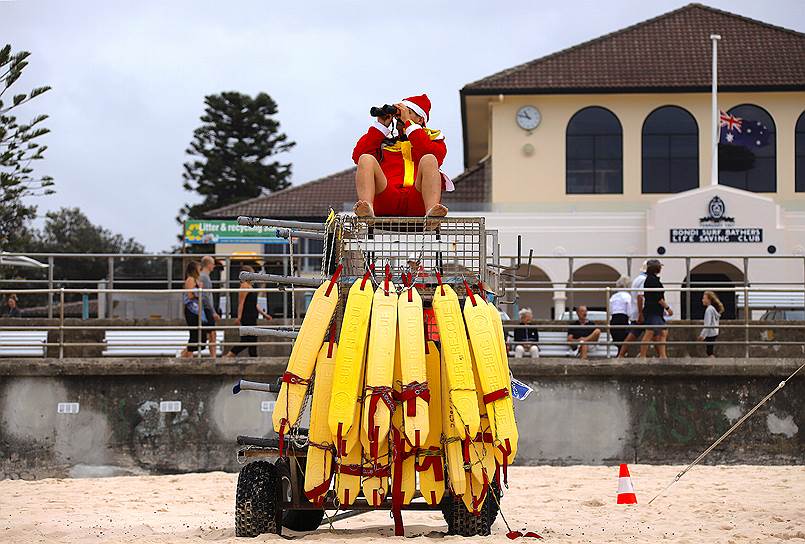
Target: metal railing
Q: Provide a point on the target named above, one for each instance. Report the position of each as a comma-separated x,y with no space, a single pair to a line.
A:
284,332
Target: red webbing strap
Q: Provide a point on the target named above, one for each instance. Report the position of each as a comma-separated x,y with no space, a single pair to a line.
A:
293,379
439,281
506,449
396,482
283,422
386,281
317,493
465,447
378,393
484,438
375,471
409,394
333,280
431,461
496,395
470,293
366,275
406,279
331,341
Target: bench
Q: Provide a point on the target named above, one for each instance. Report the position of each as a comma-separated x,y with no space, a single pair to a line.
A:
151,342
23,343
554,344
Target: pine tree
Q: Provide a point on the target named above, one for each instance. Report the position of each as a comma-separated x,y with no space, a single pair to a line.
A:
18,149
234,150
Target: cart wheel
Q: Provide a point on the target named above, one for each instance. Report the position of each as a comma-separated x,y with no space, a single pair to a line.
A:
258,502
462,522
297,520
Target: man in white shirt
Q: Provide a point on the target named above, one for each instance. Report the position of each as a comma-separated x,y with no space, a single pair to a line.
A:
636,310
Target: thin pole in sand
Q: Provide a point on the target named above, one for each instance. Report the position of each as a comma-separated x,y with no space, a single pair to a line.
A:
726,434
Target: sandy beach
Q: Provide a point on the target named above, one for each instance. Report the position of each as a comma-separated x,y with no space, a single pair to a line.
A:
564,504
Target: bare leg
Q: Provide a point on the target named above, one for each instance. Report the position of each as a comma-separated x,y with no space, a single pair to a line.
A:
369,181
583,348
625,346
660,346
213,345
648,336
429,183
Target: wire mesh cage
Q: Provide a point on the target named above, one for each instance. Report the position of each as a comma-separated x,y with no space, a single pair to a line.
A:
455,247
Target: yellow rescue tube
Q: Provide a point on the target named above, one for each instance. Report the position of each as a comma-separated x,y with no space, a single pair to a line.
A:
453,454
504,357
493,380
319,466
403,472
348,377
481,447
476,494
429,462
348,479
303,356
411,328
379,371
457,362
376,485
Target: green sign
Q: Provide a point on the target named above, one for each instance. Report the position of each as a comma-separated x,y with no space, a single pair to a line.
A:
227,231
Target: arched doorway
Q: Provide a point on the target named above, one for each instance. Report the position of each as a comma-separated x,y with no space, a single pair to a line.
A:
540,302
712,276
592,276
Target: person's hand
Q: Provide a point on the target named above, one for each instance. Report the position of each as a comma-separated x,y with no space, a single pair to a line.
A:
268,317
385,119
405,113
237,321
216,317
669,311
701,339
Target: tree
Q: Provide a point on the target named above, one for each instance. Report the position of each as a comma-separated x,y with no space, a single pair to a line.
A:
233,151
18,149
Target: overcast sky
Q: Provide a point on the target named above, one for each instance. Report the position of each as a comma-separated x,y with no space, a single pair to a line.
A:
129,78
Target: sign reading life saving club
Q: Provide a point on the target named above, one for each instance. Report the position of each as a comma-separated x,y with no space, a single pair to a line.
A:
717,228
223,231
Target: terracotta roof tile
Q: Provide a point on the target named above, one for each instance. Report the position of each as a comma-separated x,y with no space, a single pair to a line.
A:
668,51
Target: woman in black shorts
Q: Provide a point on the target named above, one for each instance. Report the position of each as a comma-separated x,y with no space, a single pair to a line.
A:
247,316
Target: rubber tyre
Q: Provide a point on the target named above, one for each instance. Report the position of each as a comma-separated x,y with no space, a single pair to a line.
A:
297,520
462,522
258,506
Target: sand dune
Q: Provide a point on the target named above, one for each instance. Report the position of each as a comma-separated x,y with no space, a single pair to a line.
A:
564,504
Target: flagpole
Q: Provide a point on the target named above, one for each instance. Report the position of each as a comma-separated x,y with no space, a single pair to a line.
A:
714,167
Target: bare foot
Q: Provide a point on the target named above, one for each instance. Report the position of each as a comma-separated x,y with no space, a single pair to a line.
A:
229,354
363,209
436,210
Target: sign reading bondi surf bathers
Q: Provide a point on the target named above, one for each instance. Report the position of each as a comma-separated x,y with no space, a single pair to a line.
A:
717,235
223,231
717,228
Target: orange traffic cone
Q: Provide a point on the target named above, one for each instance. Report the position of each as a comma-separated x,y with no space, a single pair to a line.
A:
626,494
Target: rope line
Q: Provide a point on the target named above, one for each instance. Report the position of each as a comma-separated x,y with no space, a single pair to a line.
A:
726,434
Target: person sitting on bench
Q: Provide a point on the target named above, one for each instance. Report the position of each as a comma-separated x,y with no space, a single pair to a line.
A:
581,332
400,176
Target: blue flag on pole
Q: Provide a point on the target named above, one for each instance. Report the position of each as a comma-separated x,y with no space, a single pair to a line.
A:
743,132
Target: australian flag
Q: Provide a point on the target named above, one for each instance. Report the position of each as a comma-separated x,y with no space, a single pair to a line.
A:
738,141
744,132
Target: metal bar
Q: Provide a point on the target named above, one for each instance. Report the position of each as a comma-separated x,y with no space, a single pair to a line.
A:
746,320
687,284
572,298
608,324
264,222
282,280
50,286
111,284
292,233
260,331
61,323
169,266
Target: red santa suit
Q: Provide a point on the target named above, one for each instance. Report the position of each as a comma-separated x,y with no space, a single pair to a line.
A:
400,161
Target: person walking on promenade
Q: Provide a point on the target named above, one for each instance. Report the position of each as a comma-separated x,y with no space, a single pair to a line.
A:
192,307
654,311
210,315
247,316
713,308
620,308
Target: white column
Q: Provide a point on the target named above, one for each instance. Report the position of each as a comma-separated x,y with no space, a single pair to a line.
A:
714,167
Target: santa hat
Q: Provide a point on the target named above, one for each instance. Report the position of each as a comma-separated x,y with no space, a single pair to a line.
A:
419,104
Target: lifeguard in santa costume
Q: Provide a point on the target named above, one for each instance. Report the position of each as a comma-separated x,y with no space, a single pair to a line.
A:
401,177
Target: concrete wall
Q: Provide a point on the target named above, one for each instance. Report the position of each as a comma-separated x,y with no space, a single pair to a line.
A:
597,413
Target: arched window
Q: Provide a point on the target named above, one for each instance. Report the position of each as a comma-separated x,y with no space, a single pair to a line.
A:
747,157
670,151
799,154
594,150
